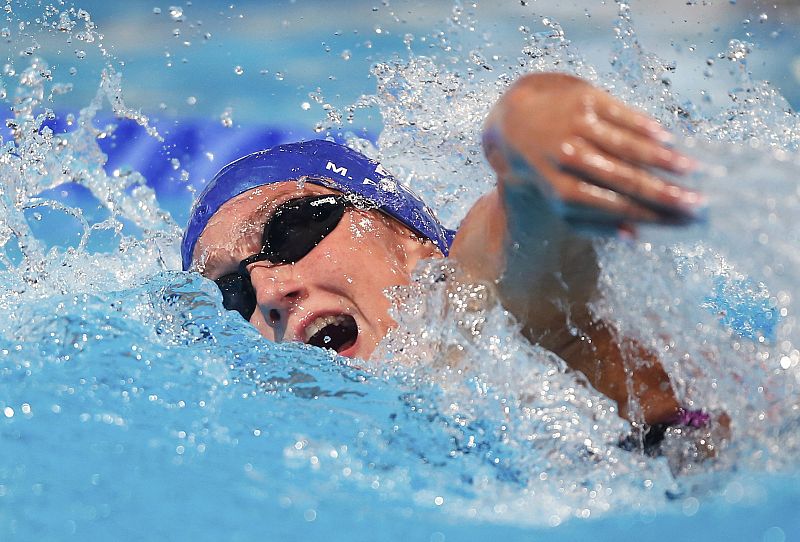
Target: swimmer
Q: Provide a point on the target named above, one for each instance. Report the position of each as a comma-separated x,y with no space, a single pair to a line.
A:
304,239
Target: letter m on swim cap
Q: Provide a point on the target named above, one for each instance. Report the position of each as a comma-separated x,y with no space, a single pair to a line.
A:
333,167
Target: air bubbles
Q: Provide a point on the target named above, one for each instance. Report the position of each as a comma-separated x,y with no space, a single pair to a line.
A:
191,100
345,55
156,11
279,76
80,54
305,106
238,70
763,18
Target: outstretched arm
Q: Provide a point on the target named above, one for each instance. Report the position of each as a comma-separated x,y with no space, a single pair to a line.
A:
571,158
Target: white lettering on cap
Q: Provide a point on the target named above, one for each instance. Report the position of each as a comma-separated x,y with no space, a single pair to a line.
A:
333,167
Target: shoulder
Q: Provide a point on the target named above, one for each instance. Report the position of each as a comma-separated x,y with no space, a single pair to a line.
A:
479,242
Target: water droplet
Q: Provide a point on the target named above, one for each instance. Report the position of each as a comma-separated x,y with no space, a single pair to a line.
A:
176,32
305,106
279,76
345,54
176,13
80,54
763,18
191,100
156,11
225,118
238,70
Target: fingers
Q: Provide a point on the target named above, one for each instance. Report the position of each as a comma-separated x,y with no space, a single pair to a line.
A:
632,147
612,110
634,189
586,204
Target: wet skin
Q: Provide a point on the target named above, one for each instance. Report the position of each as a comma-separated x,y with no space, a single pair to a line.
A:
347,273
568,157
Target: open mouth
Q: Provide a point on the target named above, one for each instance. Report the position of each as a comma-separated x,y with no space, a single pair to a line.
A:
338,332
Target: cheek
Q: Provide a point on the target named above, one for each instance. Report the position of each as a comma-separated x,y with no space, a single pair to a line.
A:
362,227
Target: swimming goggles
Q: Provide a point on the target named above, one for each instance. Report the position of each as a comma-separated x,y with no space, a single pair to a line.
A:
291,232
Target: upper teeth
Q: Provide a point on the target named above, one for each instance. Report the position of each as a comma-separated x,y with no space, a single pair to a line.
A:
319,323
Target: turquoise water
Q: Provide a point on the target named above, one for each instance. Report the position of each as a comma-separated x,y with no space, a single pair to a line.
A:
132,405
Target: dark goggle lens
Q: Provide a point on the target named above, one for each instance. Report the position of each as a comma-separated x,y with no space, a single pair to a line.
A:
237,294
292,231
300,225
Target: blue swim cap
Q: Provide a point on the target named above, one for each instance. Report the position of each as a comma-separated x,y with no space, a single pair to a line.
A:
324,163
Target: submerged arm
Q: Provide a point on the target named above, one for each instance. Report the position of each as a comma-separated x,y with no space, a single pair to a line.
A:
570,158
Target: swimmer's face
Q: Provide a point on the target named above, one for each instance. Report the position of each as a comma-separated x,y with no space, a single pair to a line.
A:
339,284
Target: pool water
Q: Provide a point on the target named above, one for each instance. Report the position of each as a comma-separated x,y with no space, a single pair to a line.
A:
133,405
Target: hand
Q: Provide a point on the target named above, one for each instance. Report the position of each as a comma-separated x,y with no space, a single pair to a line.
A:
594,159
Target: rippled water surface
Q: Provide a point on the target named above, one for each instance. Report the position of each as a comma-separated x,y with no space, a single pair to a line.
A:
132,405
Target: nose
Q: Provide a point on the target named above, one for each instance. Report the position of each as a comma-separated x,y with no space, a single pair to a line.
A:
279,291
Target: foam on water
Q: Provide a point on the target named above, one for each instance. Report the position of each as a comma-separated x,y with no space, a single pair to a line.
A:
131,399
